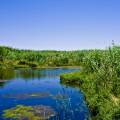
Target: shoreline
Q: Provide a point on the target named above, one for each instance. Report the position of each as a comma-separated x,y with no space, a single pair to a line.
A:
94,102
41,67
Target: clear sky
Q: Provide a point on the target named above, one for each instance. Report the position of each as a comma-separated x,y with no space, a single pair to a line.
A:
59,24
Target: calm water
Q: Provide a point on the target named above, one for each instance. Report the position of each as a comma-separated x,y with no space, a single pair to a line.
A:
41,87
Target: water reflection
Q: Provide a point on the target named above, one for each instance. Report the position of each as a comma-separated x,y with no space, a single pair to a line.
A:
2,83
6,74
27,74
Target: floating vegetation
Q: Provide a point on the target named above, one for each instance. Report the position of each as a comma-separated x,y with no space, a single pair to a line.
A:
63,103
45,112
61,97
28,95
21,112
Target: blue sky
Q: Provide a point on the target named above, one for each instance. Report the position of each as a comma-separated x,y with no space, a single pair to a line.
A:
59,24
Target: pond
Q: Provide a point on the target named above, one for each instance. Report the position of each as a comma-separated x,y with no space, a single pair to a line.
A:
40,91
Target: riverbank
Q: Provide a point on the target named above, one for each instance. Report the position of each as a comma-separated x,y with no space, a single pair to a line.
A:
37,67
103,105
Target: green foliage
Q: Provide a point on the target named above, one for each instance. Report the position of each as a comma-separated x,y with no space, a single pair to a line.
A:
3,53
100,82
20,112
31,58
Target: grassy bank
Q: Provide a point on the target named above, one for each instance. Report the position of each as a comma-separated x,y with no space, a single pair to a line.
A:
103,105
100,82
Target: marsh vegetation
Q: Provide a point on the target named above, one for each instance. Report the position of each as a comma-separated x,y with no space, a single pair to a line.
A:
98,77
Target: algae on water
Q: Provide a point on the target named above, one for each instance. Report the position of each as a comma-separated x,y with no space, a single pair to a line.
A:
21,112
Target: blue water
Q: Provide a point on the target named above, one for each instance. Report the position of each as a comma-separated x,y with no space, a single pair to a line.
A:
46,81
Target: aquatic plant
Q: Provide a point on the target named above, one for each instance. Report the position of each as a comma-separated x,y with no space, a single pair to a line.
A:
21,112
45,112
28,95
66,110
63,104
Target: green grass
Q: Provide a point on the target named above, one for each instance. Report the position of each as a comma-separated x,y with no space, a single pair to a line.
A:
101,105
100,82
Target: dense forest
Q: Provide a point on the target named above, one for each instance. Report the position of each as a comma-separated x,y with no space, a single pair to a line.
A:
99,76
